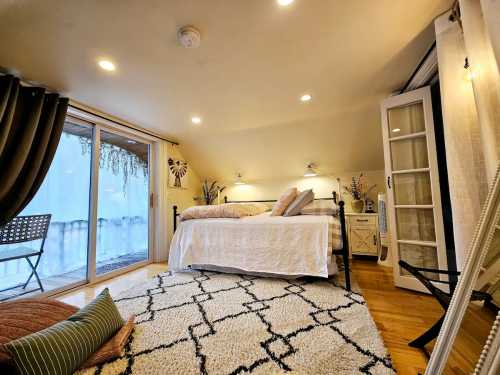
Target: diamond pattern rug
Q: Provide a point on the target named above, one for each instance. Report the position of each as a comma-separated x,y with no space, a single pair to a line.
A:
212,323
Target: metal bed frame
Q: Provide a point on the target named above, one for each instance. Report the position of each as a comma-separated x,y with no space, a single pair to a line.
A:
344,252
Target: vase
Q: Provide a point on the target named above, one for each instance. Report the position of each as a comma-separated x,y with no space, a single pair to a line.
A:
357,205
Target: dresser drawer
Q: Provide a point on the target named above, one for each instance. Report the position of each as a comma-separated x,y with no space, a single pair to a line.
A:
363,221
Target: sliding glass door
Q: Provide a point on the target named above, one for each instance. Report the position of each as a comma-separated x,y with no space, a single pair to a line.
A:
98,193
123,202
65,195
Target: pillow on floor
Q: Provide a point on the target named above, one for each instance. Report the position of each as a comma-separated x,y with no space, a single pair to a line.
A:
302,200
64,347
284,201
113,348
26,316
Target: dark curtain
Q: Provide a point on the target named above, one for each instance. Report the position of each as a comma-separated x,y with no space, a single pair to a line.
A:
31,123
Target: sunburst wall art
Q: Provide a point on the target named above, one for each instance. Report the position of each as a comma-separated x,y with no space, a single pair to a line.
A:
177,173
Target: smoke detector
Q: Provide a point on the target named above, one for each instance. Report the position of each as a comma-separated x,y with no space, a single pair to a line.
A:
189,37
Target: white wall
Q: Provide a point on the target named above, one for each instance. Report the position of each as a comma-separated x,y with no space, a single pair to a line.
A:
470,117
182,198
322,186
168,197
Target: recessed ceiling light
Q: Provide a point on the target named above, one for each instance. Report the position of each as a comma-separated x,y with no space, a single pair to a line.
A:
396,130
196,120
305,97
285,2
106,65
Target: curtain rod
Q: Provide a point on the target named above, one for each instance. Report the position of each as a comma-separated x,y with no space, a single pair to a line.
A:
117,121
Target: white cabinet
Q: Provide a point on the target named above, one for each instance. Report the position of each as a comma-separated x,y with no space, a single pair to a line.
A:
413,191
362,233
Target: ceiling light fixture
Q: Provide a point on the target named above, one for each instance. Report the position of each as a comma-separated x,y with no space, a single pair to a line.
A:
196,120
285,2
239,180
396,130
310,172
106,65
305,97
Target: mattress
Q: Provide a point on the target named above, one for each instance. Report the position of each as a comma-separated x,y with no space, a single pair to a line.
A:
261,244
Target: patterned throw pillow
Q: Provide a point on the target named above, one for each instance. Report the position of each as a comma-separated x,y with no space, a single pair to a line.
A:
321,208
63,347
284,201
307,196
25,316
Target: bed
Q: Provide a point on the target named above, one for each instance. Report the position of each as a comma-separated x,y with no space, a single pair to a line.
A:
304,245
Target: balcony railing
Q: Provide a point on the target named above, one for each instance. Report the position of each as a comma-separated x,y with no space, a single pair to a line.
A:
65,248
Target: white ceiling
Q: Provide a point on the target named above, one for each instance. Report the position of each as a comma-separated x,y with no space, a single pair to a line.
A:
256,59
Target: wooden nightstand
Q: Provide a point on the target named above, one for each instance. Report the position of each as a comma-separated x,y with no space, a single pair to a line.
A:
362,233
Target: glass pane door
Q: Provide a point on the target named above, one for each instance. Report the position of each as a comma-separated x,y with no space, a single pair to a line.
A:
413,184
64,258
122,235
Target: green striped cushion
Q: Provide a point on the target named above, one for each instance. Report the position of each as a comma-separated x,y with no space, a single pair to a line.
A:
63,347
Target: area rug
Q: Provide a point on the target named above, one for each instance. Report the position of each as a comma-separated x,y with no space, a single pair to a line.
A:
213,323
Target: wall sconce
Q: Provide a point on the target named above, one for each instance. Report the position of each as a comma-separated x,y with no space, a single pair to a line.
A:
239,180
469,73
310,172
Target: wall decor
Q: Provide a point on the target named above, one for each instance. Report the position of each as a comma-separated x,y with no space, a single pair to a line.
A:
178,173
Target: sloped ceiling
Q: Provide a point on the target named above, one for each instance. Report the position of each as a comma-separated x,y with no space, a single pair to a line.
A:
255,60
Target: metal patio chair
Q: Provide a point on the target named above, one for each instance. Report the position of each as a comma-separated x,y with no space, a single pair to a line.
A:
24,229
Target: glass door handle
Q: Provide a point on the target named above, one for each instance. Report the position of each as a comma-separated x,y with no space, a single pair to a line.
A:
389,182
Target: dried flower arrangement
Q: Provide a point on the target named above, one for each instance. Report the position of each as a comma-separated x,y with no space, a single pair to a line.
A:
358,188
211,191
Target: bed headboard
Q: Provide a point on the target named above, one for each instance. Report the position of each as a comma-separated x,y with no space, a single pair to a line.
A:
334,198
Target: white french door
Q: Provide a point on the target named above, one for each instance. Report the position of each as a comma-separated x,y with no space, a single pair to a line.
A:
415,213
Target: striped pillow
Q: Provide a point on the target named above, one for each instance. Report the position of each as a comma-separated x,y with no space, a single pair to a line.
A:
321,207
300,202
63,347
282,204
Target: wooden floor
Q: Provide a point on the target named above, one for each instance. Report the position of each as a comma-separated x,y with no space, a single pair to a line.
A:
399,314
402,315
116,285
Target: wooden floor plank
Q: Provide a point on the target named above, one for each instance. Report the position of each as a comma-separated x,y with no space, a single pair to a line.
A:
402,315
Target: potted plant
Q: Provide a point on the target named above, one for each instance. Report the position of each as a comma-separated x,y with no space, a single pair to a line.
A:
211,191
359,192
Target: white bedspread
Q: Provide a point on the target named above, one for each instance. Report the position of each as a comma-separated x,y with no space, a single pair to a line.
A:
296,245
